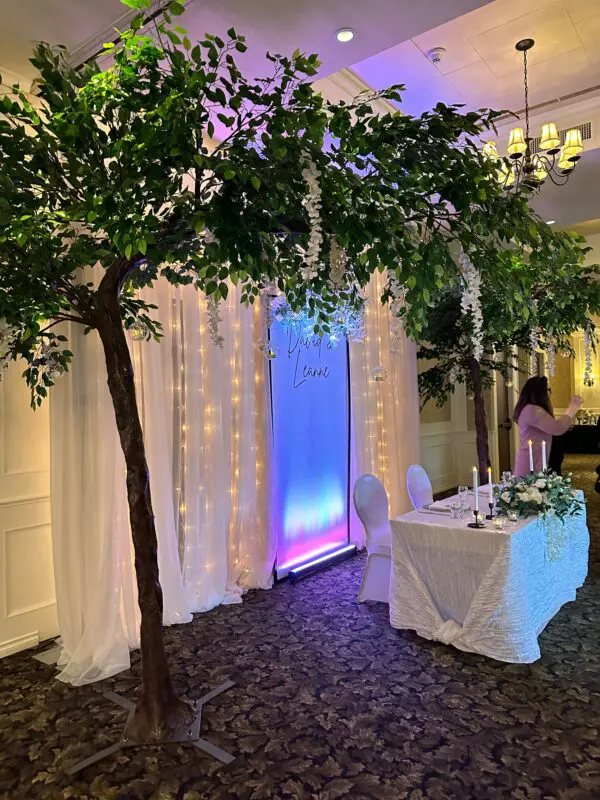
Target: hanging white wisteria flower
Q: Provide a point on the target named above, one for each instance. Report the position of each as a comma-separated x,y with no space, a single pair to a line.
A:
534,340
453,374
588,378
551,350
338,260
213,320
470,302
312,203
8,334
398,292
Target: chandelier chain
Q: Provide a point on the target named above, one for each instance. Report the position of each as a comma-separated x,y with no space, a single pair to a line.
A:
525,81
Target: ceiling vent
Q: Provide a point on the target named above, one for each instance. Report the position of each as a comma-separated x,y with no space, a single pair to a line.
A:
586,133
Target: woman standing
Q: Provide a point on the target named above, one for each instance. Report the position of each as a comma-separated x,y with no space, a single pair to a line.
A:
537,423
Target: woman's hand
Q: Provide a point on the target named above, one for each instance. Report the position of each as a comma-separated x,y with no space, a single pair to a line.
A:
575,405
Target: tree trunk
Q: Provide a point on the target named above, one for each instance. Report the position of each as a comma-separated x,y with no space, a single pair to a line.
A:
159,712
481,429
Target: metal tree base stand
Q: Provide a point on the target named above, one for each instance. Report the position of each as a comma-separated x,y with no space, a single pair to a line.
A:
188,735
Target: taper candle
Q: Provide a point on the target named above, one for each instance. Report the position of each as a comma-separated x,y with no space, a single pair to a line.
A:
544,463
490,487
476,488
530,443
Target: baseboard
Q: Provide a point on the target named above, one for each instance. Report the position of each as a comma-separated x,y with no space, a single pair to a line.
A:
13,646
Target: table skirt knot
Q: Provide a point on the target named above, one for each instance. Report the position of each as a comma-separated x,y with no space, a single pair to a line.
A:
448,632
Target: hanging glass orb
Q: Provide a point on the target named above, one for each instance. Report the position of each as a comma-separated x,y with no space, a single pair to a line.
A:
509,384
55,372
137,332
379,373
268,349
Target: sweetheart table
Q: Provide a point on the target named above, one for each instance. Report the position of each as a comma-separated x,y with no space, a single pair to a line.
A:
483,590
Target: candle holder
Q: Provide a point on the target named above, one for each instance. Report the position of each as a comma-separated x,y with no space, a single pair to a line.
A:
491,514
477,523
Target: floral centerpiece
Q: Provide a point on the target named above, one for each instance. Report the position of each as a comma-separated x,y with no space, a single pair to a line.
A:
543,493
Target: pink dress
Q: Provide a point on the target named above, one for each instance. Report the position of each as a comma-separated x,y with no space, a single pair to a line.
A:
536,424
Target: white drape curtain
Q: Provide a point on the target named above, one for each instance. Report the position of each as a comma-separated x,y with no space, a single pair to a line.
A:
385,413
206,419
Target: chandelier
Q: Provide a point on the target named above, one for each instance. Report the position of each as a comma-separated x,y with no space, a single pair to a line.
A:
558,154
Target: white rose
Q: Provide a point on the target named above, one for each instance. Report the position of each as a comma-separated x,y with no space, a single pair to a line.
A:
535,495
505,496
540,484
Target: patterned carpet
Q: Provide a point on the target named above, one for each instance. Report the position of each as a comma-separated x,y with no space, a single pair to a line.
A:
330,702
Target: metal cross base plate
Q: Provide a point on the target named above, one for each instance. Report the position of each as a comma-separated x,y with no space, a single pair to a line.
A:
189,736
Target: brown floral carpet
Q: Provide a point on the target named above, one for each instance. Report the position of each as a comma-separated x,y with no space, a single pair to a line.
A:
330,702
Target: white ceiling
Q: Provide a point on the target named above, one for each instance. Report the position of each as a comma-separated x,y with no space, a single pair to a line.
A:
481,66
578,200
278,25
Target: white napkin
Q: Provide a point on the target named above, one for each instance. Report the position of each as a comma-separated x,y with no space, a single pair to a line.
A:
439,507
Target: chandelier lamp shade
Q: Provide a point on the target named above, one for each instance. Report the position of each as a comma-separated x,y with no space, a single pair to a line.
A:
554,158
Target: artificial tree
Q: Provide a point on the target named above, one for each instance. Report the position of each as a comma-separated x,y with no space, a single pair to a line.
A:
119,169
529,299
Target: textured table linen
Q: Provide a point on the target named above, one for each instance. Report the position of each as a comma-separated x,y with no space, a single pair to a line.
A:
483,591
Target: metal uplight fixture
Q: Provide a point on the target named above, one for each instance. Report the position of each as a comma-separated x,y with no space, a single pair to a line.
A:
558,154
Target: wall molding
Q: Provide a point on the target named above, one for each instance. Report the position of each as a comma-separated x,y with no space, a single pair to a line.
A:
12,646
24,501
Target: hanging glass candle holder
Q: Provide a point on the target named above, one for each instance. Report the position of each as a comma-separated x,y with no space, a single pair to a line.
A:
268,349
137,331
509,383
55,371
379,373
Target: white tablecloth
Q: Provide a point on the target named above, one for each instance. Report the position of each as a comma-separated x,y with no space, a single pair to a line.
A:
483,591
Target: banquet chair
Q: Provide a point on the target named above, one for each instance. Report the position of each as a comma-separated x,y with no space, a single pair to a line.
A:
371,504
419,486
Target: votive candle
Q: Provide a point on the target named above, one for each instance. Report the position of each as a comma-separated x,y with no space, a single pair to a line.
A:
544,464
530,443
476,488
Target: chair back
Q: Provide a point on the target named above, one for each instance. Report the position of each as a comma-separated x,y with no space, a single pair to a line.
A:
419,486
371,504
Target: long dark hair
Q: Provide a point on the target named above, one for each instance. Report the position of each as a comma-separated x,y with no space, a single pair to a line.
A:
534,393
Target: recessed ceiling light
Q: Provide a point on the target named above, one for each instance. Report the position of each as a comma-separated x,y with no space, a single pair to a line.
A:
344,35
550,221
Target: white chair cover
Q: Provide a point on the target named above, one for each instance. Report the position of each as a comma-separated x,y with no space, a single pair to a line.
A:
371,503
419,486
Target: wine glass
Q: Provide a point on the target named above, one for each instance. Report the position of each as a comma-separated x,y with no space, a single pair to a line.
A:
463,495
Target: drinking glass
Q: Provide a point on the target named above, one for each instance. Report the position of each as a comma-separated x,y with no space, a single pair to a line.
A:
456,507
465,503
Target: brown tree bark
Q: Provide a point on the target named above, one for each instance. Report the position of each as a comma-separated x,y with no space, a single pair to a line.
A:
481,429
159,712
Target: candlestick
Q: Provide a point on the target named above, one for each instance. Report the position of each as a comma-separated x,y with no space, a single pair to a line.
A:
491,514
476,488
478,521
530,443
544,462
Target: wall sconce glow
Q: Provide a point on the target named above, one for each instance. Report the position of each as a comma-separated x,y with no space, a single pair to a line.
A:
344,35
